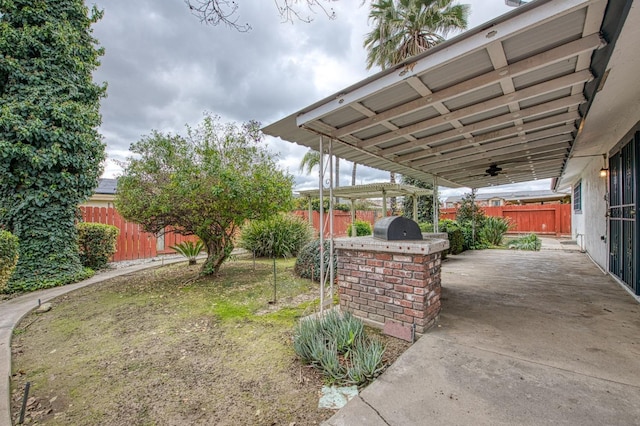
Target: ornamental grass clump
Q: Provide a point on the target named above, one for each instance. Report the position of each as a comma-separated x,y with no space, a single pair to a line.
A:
494,229
337,345
529,242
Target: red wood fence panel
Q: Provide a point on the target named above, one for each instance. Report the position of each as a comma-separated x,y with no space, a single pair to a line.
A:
341,220
132,243
553,219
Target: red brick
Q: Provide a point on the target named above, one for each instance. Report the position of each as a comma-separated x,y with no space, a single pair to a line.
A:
418,276
376,277
419,259
367,296
403,303
358,287
402,258
370,309
367,282
393,308
383,256
352,293
403,288
414,283
415,298
366,268
375,290
360,300
376,304
358,274
403,318
351,266
401,273
394,265
418,290
365,254
377,318
384,299
394,294
413,267
352,280
414,313
393,280
384,271
419,306
375,262
344,284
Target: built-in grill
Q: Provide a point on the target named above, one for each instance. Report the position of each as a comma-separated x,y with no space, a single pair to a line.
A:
393,228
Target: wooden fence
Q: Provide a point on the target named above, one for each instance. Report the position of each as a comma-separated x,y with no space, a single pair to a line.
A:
132,242
549,219
341,220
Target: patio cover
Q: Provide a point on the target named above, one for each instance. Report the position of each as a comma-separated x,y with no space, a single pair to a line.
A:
373,190
512,93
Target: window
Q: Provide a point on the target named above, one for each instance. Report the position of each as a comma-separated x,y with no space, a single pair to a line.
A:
577,197
496,203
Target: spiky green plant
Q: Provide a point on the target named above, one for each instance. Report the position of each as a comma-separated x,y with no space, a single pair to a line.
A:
494,229
366,361
528,242
189,249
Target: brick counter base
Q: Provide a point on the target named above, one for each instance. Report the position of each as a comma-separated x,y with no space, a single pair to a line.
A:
380,287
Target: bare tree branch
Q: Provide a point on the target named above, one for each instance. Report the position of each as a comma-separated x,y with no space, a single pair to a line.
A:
215,12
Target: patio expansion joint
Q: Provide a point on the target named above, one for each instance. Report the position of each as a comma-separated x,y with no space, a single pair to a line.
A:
542,364
374,409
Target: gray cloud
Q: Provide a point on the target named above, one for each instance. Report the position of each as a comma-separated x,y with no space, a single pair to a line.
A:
164,69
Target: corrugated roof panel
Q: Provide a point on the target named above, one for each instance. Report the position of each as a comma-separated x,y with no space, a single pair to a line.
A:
439,144
393,142
462,69
549,72
547,97
546,36
433,130
391,97
415,117
480,95
372,132
343,117
485,115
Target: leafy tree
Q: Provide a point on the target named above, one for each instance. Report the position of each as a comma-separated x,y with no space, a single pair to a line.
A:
471,219
405,28
50,150
425,203
312,159
207,184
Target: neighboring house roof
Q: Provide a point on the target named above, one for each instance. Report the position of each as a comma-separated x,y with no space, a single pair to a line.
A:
514,196
107,186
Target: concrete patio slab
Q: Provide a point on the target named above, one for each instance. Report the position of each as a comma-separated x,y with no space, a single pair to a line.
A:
524,338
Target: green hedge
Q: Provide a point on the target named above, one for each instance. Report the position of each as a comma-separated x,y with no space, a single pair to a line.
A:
96,244
362,228
455,235
8,257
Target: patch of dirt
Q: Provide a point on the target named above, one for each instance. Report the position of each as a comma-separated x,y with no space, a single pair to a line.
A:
148,349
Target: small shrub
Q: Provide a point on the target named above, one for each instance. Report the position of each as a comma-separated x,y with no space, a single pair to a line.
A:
528,242
308,260
455,235
362,228
8,257
96,244
426,227
494,229
337,345
189,249
282,235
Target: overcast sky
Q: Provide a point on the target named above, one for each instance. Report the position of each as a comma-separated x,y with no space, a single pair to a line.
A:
164,69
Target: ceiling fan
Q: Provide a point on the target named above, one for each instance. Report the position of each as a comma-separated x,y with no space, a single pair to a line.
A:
493,170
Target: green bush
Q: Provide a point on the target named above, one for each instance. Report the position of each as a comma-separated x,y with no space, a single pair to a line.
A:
494,229
337,345
362,228
308,260
96,244
426,227
282,235
528,242
189,249
8,257
455,235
